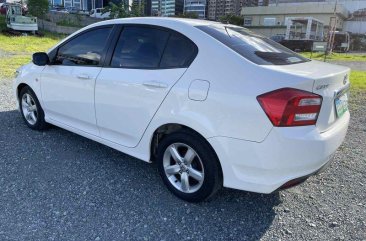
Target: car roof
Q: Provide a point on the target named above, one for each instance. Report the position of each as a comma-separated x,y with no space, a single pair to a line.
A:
157,21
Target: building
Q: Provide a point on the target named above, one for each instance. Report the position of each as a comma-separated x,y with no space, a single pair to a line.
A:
263,2
218,8
271,20
166,7
350,5
145,4
195,6
78,4
56,2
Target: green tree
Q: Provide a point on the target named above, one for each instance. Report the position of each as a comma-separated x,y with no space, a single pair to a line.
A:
117,10
188,15
137,10
38,8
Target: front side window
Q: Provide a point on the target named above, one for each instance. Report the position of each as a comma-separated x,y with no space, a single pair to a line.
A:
139,47
256,48
86,49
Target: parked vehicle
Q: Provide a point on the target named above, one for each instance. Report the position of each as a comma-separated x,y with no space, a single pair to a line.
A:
98,13
72,10
2,9
58,9
227,108
84,12
15,20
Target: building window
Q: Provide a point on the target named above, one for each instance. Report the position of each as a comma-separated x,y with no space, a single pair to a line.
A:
248,21
269,21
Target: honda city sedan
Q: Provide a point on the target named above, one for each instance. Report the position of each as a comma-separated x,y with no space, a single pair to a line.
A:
212,104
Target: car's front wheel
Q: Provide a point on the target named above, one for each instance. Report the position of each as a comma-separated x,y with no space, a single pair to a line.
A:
31,110
188,166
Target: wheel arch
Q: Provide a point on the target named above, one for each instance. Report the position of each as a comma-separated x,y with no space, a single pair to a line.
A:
166,129
20,87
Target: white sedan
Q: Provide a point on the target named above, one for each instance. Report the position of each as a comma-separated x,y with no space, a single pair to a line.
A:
214,105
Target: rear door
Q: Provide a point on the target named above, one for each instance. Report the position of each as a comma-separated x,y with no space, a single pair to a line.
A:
146,62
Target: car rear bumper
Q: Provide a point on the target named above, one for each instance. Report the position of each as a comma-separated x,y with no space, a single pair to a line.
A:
23,27
286,154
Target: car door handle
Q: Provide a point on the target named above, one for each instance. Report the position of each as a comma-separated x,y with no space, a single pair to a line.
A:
155,84
83,76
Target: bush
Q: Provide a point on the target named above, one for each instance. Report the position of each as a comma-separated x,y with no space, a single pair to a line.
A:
188,15
38,8
123,10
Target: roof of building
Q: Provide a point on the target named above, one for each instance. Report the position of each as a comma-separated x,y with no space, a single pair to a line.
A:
304,8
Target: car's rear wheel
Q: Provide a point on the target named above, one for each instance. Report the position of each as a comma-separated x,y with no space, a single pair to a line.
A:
188,166
31,110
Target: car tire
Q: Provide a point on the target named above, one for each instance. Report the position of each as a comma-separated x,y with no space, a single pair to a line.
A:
189,166
31,110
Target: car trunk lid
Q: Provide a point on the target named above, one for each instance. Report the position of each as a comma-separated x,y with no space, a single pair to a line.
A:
330,81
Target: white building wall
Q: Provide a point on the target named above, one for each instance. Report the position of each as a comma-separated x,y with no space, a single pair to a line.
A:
355,27
350,5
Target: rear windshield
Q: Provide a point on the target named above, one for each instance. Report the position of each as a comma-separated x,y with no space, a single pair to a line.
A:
251,46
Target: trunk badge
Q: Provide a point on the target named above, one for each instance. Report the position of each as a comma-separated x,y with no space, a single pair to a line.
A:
319,87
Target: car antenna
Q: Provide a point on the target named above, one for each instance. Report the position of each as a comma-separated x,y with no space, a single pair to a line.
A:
227,31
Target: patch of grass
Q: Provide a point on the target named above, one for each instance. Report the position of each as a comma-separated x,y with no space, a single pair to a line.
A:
358,80
336,56
26,44
9,64
16,51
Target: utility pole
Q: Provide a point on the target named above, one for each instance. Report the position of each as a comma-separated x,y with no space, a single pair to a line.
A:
331,32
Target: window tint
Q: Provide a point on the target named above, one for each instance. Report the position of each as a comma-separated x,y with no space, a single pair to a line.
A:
179,52
253,47
86,49
139,47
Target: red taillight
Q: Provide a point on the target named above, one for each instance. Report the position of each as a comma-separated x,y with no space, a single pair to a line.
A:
291,107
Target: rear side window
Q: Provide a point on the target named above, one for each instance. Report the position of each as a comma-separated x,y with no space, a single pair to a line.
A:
253,47
179,52
144,47
139,47
86,49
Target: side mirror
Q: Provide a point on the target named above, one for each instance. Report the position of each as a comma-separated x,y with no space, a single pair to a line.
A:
40,59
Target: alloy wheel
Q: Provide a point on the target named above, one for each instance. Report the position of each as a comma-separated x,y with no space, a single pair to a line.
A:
29,109
183,167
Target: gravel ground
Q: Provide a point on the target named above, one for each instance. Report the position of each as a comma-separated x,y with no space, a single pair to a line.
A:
58,186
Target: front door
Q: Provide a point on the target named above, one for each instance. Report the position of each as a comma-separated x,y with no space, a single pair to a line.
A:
67,84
